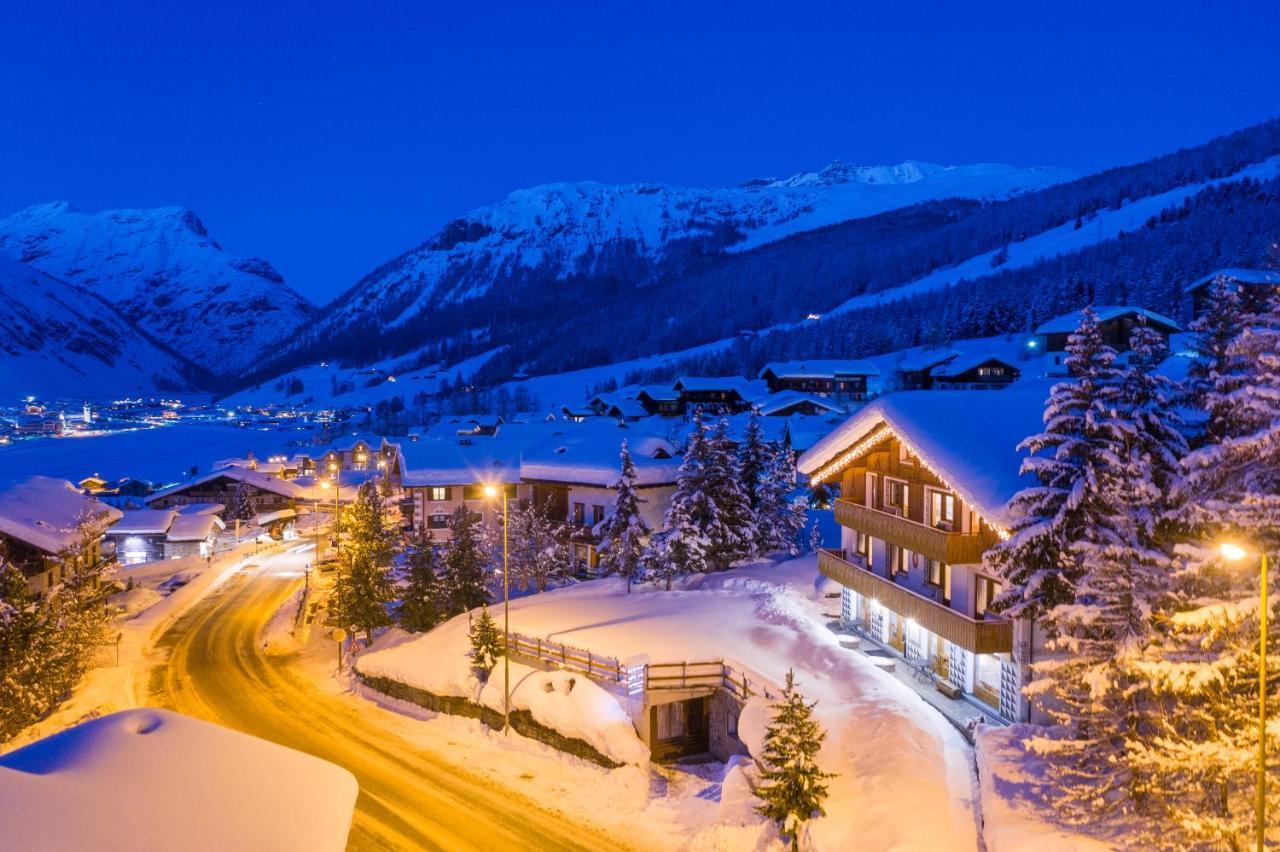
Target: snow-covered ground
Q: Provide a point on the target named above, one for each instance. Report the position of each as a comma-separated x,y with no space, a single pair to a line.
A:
159,454
147,779
905,775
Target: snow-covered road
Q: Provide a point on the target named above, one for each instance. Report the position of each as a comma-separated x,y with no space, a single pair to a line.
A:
409,798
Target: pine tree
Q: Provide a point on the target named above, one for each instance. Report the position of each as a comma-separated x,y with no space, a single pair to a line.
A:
80,599
679,549
727,522
423,603
486,642
33,673
1035,563
537,553
242,506
364,587
754,458
1215,330
624,534
779,516
792,786
465,562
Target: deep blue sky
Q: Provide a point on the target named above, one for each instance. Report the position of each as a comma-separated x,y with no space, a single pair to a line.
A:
330,137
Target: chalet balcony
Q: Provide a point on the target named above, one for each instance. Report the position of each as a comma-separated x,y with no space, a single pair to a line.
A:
954,548
981,636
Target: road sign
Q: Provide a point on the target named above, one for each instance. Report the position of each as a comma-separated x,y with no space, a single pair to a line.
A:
339,634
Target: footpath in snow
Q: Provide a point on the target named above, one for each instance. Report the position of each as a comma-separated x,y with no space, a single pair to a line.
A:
905,776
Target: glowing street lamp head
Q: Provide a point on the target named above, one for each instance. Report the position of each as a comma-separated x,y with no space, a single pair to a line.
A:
490,492
324,484
1231,551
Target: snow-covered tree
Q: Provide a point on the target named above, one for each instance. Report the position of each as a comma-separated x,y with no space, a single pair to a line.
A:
242,506
780,516
792,787
35,667
1222,321
364,587
679,549
486,642
422,602
754,457
80,599
1035,563
725,516
537,555
624,535
466,562
815,537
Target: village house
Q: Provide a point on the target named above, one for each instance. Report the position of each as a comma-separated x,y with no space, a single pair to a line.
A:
573,475
976,371
923,481
847,378
723,395
146,535
1116,323
266,493
662,400
44,522
441,475
1254,285
791,403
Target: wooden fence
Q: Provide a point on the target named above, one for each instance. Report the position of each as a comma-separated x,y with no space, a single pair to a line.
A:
712,674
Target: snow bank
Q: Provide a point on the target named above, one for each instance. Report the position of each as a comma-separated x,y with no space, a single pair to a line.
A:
152,779
1016,805
905,775
573,705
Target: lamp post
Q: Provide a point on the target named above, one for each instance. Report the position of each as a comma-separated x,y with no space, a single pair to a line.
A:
1234,553
491,492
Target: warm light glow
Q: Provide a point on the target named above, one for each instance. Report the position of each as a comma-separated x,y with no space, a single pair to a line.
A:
1232,552
333,465
490,492
324,484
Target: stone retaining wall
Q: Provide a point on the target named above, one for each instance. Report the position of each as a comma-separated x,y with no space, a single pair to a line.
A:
521,720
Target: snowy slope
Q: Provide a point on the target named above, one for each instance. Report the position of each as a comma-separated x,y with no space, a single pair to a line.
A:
60,340
1105,225
161,268
632,232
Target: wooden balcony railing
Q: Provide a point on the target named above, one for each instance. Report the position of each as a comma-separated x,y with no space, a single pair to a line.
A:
953,548
976,635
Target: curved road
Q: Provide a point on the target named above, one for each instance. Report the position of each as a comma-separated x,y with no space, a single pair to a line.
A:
409,798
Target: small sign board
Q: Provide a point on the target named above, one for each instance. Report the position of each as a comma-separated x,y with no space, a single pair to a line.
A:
339,634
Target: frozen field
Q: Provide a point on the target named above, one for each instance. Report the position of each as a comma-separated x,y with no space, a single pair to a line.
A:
160,454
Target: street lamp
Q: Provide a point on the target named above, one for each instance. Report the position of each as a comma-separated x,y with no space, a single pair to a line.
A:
1233,552
492,492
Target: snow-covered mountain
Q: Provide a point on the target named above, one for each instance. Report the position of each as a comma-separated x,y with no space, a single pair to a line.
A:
60,340
628,235
162,269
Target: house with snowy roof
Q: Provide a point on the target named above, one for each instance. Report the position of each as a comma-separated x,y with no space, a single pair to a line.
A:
974,371
722,395
847,378
1116,323
914,371
1255,285
440,475
924,480
662,400
46,521
266,493
788,403
147,535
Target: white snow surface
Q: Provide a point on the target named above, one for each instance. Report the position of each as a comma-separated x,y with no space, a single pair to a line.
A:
1064,239
150,779
60,340
905,778
45,512
161,268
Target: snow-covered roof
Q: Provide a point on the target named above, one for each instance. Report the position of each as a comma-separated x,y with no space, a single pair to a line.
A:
43,512
820,369
745,388
1237,275
349,443
201,509
443,461
144,522
627,408
659,393
1068,323
969,438
588,455
271,517
186,527
283,487
582,410
782,400
149,779
926,359
963,363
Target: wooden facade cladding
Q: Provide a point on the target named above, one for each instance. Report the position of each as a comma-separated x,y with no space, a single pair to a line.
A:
953,548
975,635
